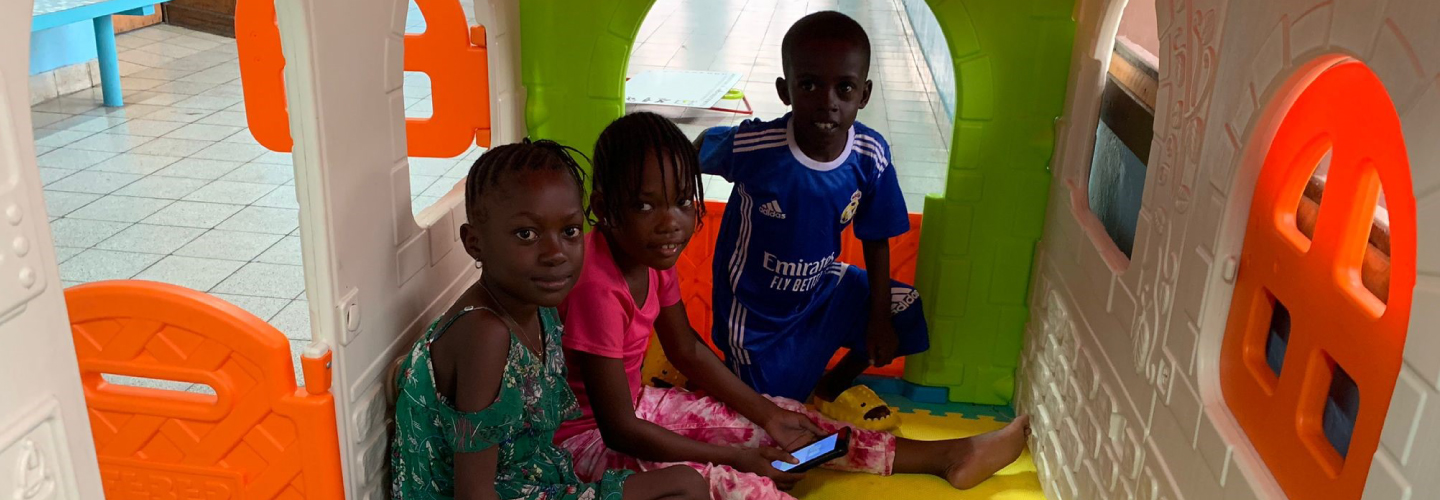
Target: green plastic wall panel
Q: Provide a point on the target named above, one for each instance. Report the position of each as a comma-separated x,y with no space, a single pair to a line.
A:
978,240
573,55
1011,61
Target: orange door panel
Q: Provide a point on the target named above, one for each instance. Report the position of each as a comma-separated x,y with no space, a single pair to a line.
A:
256,437
1304,296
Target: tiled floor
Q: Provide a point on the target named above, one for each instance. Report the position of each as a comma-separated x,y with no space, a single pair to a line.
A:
172,187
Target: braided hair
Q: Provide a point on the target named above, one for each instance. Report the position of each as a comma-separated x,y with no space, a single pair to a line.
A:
620,155
524,156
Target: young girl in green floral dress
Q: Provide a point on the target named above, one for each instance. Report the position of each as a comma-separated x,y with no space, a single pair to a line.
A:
481,394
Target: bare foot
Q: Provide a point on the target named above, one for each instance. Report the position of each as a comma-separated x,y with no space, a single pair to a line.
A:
975,459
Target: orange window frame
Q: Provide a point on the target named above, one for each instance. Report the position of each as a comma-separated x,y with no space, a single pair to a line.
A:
1337,322
450,51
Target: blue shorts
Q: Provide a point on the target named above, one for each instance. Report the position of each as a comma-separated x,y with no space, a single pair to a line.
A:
789,362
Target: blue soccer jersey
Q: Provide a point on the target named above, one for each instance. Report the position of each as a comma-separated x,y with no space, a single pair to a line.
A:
776,256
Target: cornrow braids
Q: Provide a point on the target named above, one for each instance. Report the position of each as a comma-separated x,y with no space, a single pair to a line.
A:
524,156
620,155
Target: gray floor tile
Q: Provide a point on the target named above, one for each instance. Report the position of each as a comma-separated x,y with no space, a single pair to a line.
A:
265,280
93,182
153,98
441,187
167,146
420,203
67,105
72,159
147,127
228,118
57,139
193,214
208,102
276,158
190,272
294,320
284,197
297,347
183,87
40,119
197,168
263,220
88,123
419,183
63,254
169,188
131,111
922,185
262,307
285,251
242,137
133,83
49,175
923,129
132,163
180,115
203,132
120,209
235,193
110,143
97,265
923,169
230,245
83,233
261,173
147,383
432,167
904,155
229,151
60,203
146,238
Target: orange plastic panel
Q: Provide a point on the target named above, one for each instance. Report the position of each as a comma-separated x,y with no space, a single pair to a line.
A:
696,274
450,52
1335,320
257,437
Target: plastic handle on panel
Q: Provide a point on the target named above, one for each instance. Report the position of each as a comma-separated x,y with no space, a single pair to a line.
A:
315,363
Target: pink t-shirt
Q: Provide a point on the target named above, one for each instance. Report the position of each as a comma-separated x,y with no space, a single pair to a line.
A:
601,318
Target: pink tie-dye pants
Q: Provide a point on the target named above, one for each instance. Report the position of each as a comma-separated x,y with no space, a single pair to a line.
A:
711,421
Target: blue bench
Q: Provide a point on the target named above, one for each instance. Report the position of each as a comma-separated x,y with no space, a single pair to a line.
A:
51,13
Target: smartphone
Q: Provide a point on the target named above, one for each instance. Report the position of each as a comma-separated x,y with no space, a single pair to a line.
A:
826,449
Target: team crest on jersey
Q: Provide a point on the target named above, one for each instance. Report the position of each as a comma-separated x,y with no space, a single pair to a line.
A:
849,212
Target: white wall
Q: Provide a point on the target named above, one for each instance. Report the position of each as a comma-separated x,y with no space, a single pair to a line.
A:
1120,360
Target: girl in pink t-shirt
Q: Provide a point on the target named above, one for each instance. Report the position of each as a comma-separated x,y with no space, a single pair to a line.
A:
646,198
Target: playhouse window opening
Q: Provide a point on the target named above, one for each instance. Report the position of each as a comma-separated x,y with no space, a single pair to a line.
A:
430,178
1122,145
1375,266
1278,338
1342,406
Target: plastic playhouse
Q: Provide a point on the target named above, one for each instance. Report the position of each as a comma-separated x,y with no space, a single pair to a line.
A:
1264,330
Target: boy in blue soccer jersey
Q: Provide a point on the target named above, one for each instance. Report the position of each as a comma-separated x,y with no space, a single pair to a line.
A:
783,304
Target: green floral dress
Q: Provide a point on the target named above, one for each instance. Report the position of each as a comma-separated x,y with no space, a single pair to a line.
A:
534,399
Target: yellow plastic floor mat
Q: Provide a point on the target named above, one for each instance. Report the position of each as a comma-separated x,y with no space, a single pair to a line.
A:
1015,482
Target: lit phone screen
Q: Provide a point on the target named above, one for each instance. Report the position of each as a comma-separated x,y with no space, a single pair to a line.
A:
808,453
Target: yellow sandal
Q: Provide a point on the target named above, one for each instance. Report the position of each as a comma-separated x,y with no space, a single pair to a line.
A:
853,404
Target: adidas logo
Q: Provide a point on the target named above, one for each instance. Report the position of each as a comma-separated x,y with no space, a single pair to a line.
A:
902,298
772,209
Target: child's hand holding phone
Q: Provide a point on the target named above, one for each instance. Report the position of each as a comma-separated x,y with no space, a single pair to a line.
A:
760,461
826,449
